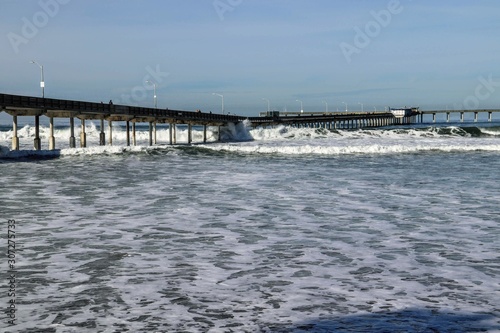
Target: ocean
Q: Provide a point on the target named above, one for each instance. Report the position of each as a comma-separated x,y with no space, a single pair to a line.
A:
273,230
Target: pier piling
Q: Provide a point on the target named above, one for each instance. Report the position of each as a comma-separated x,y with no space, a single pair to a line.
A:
170,133
72,141
110,123
83,135
150,133
134,138
37,144
52,140
15,138
102,135
127,129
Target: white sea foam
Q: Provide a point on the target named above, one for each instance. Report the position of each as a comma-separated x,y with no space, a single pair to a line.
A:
279,140
204,243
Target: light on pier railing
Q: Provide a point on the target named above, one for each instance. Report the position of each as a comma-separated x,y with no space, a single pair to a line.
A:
345,106
268,104
155,100
42,82
221,96
301,106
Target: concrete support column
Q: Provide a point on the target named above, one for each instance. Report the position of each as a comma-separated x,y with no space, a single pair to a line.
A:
175,134
190,133
102,136
37,144
170,133
433,117
475,117
128,132
447,117
15,138
134,137
204,133
72,141
489,116
218,135
154,128
462,117
150,133
83,136
110,132
52,140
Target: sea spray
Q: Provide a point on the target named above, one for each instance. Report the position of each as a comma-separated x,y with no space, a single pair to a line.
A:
236,132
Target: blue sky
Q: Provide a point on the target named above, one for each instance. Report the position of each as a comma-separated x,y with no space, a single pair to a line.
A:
435,54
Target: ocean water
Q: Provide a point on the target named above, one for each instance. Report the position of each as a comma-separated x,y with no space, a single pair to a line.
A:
273,230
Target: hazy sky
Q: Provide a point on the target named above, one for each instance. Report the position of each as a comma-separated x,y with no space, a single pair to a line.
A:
434,54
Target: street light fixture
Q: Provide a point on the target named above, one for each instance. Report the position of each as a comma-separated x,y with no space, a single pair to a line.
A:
326,106
362,107
345,106
301,106
42,82
268,104
221,96
154,91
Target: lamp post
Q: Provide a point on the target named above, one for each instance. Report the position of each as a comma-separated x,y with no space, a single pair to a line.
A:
154,92
345,106
42,82
326,106
362,107
268,104
221,96
301,106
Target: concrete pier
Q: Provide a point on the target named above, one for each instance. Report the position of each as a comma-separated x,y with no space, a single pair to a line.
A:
52,140
170,133
134,137
16,106
102,135
72,141
110,123
83,135
154,130
150,133
461,113
127,128
37,143
15,138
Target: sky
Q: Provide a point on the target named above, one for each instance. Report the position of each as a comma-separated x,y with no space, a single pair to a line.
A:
314,54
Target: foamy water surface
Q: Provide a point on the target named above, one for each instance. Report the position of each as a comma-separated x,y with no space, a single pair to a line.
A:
298,230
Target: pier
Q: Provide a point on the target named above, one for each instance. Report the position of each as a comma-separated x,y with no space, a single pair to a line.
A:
36,107
462,113
18,106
